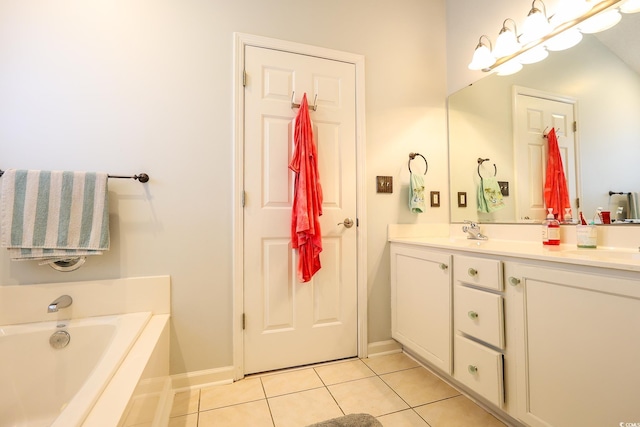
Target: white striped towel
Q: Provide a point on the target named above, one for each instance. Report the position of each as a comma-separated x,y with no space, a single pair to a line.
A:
54,215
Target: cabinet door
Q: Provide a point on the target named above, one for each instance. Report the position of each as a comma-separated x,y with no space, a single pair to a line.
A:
421,303
578,349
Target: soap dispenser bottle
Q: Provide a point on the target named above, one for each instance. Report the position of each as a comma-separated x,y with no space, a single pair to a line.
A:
550,230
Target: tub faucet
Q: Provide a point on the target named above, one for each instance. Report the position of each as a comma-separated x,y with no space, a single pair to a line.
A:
473,231
60,302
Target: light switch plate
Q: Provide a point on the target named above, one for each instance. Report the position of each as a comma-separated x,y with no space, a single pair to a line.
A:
384,184
504,187
435,199
462,199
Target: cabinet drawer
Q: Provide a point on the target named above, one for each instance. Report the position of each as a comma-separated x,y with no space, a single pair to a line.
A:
486,273
479,368
479,314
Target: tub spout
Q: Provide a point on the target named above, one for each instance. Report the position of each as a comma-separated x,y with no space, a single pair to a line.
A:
60,302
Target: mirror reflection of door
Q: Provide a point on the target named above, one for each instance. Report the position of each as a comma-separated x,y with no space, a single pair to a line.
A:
535,113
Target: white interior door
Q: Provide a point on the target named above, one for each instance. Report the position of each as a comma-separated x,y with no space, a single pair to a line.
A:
288,323
534,116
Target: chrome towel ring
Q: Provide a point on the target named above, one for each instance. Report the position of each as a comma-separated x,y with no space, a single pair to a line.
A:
481,161
413,156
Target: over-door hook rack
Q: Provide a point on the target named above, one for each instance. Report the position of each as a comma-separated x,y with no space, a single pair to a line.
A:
313,107
143,177
413,156
545,133
481,161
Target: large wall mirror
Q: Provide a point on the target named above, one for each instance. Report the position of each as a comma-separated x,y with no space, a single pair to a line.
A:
600,83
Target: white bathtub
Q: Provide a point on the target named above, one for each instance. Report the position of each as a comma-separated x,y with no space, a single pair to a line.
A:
43,386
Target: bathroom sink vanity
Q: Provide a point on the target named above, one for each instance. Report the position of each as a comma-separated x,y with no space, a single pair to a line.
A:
542,337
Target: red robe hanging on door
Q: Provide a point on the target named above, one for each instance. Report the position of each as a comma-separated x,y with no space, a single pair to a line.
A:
556,194
307,196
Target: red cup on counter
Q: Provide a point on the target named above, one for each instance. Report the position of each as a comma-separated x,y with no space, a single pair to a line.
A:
606,217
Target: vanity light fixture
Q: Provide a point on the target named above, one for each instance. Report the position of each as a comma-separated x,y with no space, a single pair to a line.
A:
534,55
507,41
482,56
565,40
536,25
600,22
630,6
508,68
562,35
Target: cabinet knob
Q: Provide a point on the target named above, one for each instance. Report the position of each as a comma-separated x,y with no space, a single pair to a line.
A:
443,266
472,369
514,281
473,315
472,272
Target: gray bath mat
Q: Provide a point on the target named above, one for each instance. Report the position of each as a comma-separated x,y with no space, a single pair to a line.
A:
351,420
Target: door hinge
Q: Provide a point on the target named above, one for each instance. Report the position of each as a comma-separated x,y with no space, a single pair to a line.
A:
243,198
244,321
244,78
575,126
357,222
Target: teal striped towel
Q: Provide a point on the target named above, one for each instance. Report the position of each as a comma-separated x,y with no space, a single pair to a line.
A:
54,215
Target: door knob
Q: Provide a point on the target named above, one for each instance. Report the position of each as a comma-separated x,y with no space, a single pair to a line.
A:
348,223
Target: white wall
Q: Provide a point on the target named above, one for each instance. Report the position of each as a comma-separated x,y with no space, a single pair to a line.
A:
143,86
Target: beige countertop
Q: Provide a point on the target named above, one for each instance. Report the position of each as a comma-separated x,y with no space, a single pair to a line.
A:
616,258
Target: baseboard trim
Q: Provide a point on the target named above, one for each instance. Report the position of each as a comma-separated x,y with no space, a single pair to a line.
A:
204,378
382,348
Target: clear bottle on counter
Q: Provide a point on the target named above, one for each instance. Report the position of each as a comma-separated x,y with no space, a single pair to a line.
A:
550,230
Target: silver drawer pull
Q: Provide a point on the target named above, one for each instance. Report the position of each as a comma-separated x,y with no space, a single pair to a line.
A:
443,266
514,281
473,369
472,272
473,315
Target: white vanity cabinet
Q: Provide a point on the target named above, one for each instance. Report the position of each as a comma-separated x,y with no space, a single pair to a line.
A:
478,319
577,344
421,302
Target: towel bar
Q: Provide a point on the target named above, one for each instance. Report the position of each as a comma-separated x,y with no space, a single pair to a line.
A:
143,177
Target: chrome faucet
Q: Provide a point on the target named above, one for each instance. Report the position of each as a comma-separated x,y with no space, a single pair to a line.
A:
60,302
473,231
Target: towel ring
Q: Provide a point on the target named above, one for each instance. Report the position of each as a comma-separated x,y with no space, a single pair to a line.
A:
70,264
481,161
413,156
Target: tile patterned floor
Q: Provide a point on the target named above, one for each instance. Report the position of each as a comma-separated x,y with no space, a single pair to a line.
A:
393,388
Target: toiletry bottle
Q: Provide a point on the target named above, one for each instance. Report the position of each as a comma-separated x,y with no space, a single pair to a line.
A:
550,230
597,217
568,218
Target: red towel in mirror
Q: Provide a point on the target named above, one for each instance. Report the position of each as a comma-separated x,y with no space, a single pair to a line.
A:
556,194
307,196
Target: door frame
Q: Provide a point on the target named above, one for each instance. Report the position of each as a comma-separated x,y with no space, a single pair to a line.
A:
536,93
241,40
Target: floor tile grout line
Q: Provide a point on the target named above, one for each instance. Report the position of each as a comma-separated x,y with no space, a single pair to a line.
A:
264,391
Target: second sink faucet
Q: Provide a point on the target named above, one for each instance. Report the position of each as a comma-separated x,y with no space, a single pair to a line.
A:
60,302
473,231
